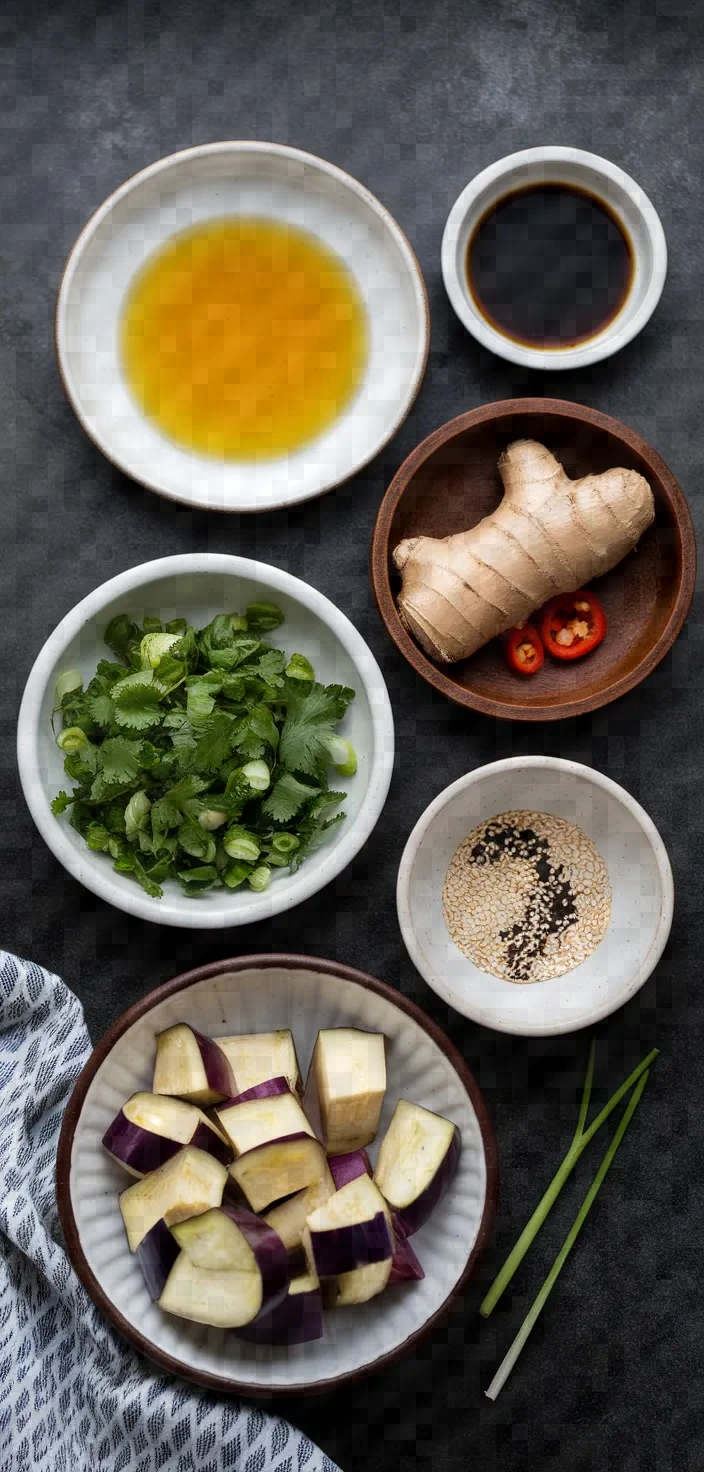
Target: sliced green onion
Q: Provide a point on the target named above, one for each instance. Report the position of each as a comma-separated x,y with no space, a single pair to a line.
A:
135,814
212,818
257,774
153,648
300,668
239,843
259,878
236,874
285,843
68,682
71,740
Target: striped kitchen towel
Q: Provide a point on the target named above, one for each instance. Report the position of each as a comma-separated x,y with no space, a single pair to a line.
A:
73,1396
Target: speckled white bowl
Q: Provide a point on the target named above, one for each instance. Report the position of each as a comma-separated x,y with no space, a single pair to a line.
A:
228,179
641,883
198,586
251,994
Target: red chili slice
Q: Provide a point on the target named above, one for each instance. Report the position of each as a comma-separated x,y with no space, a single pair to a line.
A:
572,625
523,650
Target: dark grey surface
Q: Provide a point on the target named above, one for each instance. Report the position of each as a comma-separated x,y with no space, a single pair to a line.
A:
413,99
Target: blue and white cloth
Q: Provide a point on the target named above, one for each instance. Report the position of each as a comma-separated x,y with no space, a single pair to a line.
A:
73,1396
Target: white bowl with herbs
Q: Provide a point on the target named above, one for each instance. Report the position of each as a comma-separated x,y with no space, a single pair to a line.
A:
535,895
205,741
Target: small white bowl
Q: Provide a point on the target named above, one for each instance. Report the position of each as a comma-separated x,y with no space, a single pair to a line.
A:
627,201
255,994
197,587
641,884
208,182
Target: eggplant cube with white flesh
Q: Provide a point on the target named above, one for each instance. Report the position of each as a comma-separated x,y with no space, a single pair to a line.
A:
345,1087
255,1057
418,1158
151,1128
192,1067
349,1242
289,1217
278,1168
266,1112
189,1183
232,1267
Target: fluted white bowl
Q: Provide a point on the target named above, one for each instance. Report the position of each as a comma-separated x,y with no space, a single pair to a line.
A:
198,586
252,994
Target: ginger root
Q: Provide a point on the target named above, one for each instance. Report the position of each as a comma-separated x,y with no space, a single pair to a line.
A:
549,535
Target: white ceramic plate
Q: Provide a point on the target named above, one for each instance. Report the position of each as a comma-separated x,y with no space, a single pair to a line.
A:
641,883
249,995
208,182
197,587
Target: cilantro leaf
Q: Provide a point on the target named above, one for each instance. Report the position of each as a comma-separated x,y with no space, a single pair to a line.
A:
121,635
136,700
311,712
196,841
60,803
287,797
118,760
215,743
102,710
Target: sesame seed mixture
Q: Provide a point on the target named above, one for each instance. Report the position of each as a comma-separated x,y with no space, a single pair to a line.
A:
527,896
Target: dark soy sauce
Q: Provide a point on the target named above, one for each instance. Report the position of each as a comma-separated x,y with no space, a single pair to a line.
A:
549,266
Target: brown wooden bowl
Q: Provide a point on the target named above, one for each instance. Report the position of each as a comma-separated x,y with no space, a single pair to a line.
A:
249,994
450,481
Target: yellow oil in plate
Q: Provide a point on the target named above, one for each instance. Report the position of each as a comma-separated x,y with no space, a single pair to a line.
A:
244,338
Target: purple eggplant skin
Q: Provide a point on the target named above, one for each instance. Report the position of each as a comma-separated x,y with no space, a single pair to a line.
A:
271,1256
217,1069
266,1090
298,1320
346,1168
156,1255
411,1218
342,1249
405,1267
143,1151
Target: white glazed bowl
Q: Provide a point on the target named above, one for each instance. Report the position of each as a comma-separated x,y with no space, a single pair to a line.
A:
198,586
641,883
627,202
259,993
207,182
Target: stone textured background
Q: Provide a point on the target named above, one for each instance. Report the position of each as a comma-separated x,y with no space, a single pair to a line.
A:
413,99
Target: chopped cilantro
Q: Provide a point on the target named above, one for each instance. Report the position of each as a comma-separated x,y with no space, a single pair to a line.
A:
219,736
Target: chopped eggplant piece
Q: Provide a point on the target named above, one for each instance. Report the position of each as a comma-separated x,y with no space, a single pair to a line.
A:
156,1255
150,1128
192,1067
405,1267
290,1216
298,1320
258,1120
236,1268
189,1183
351,1230
418,1158
278,1168
257,1056
346,1168
266,1090
345,1088
357,1287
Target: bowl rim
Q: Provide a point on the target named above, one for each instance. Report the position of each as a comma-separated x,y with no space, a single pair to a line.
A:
293,962
379,555
250,146
613,337
263,906
484,1017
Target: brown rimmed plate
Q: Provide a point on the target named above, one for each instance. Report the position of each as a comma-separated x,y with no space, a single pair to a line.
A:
450,481
250,994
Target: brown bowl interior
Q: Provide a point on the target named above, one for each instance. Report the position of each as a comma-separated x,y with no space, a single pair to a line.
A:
451,481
